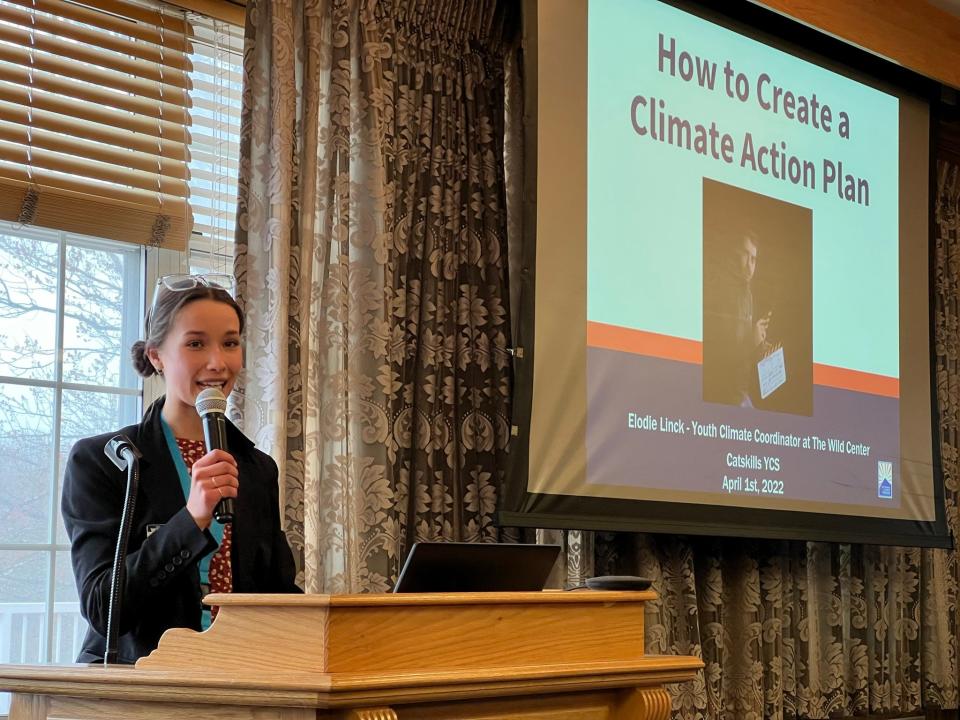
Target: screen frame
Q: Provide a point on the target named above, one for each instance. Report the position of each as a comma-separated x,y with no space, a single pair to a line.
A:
519,508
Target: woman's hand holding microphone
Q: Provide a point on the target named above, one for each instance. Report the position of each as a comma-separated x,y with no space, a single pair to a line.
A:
213,478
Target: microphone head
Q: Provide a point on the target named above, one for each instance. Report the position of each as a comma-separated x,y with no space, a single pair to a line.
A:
211,400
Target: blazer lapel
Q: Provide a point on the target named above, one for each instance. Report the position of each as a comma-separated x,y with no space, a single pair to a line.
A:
159,482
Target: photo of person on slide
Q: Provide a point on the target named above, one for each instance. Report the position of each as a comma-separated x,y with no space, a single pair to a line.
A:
757,301
741,334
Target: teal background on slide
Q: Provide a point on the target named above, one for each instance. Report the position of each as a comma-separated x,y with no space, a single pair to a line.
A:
644,219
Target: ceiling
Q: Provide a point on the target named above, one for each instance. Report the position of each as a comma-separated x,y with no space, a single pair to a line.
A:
951,6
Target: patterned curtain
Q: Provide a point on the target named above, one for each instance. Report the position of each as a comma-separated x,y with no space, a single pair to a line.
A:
809,630
371,260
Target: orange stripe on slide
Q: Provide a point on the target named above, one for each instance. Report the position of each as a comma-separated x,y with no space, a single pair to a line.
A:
612,337
845,379
638,342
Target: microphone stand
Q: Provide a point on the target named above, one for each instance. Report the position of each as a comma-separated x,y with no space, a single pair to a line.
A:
124,455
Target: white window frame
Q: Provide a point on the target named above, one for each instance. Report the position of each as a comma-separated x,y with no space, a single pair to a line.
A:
133,281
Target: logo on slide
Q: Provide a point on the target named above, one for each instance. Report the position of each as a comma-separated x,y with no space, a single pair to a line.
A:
884,479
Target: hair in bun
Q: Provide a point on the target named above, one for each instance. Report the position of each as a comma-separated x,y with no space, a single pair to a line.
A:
141,363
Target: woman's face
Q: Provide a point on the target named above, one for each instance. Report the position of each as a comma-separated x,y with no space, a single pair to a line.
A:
202,349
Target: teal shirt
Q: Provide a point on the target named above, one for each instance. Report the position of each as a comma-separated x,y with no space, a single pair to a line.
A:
216,529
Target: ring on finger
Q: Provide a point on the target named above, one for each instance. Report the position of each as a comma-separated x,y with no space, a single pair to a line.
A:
220,491
215,483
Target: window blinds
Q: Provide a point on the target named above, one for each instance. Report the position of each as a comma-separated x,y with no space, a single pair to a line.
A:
94,116
217,79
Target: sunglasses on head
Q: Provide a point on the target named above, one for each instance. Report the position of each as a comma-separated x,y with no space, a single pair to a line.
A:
180,282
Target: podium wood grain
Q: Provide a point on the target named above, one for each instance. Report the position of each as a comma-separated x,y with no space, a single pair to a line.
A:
528,656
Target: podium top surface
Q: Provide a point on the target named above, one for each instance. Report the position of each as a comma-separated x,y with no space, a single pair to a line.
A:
559,597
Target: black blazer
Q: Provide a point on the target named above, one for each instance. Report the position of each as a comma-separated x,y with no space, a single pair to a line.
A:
163,577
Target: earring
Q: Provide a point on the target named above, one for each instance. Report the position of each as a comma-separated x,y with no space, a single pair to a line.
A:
159,371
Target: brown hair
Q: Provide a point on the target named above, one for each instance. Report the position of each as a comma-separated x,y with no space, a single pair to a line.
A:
160,319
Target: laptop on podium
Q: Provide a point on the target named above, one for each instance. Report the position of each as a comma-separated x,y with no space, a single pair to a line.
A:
476,567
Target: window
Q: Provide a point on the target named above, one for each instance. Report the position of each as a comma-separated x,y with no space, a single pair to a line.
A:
70,307
65,325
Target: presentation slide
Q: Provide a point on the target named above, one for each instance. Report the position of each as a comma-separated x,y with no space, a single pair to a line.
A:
731,306
742,265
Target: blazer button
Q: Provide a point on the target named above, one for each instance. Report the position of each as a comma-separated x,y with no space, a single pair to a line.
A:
161,575
169,567
154,582
185,554
177,560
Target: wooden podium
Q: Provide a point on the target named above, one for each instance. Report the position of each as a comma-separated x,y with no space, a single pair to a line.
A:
464,656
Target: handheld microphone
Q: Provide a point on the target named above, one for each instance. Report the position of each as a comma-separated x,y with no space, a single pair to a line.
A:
211,405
